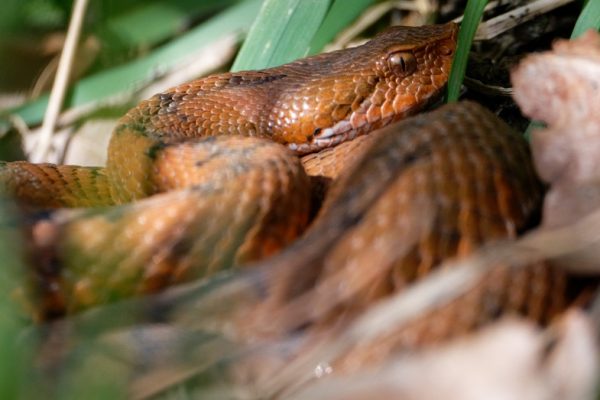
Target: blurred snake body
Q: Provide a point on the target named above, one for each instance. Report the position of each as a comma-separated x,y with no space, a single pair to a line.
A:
206,176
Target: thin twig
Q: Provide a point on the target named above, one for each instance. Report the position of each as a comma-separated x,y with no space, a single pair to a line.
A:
59,88
504,22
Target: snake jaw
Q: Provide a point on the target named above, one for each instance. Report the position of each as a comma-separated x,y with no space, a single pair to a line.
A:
342,131
329,135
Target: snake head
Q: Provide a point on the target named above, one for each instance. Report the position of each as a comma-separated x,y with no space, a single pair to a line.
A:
413,68
357,90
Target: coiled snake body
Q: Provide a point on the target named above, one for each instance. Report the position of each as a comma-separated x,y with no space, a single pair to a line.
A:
223,191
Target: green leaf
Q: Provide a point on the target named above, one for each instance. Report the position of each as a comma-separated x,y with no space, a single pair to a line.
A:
341,14
589,18
120,79
281,33
468,27
11,17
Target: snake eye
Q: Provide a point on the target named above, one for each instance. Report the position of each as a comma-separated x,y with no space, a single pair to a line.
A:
402,62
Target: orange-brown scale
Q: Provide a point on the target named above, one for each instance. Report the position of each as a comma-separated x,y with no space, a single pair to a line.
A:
429,189
55,186
256,203
537,292
332,161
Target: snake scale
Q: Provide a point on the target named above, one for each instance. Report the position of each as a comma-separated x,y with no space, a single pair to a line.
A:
206,176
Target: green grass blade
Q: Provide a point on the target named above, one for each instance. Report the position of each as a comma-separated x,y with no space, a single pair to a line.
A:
281,33
468,27
141,71
589,18
156,21
340,15
16,352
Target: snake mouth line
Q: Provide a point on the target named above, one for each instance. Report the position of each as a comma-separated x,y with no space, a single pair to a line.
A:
342,131
354,126
338,133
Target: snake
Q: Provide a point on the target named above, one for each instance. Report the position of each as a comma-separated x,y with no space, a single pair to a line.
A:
230,170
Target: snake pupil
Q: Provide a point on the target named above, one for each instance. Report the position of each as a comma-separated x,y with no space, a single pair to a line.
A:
404,62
